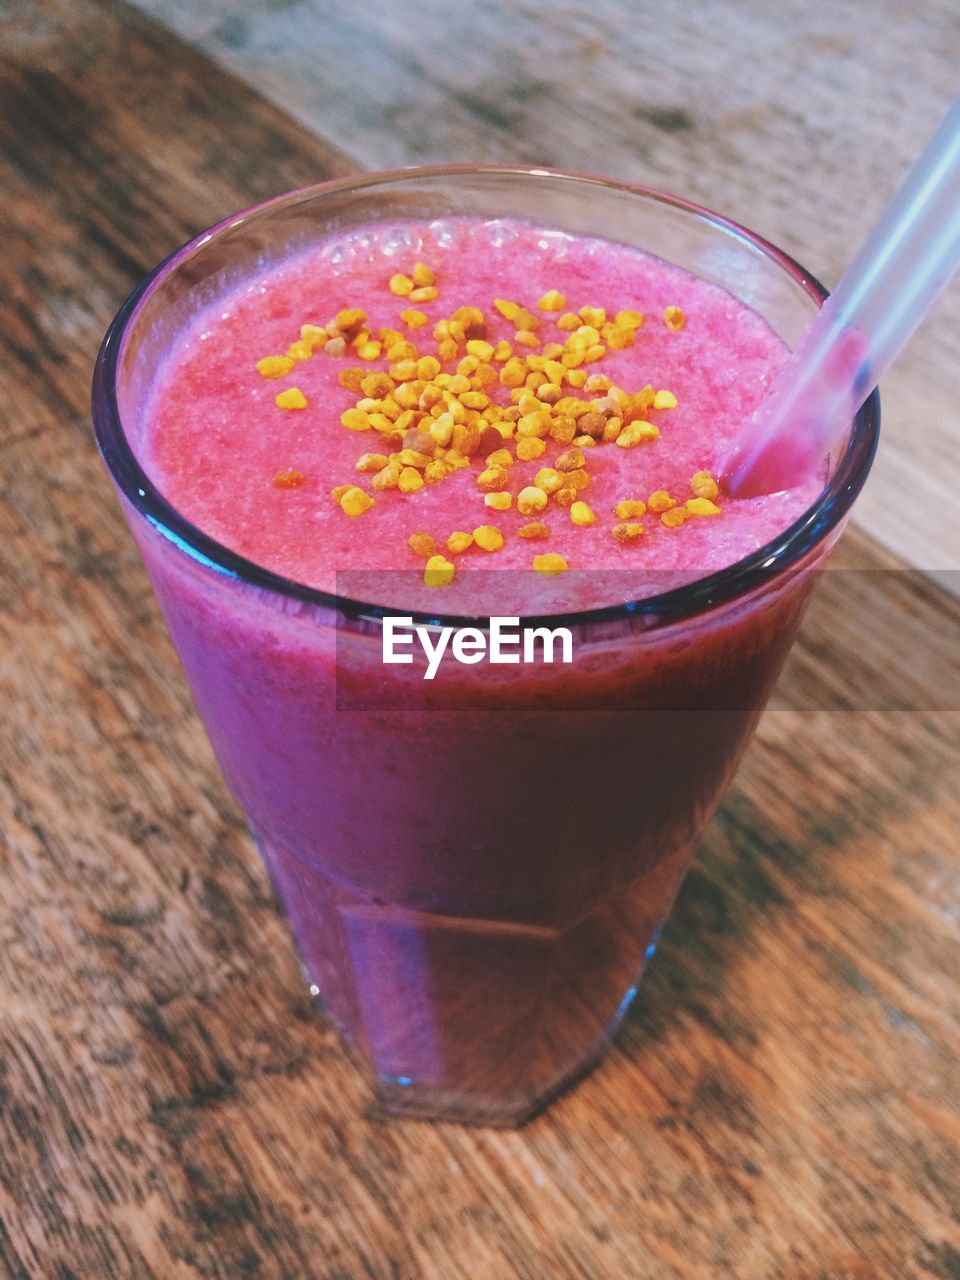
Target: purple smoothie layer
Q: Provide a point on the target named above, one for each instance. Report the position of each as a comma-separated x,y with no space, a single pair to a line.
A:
216,439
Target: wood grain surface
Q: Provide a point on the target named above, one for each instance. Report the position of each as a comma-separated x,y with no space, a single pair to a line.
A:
797,119
781,1104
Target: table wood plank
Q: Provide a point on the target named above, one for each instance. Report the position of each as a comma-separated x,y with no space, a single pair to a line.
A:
781,1102
797,119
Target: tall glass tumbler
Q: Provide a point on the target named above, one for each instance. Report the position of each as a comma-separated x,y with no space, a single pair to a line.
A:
475,873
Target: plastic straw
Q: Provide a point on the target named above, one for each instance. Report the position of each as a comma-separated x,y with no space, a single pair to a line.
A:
891,284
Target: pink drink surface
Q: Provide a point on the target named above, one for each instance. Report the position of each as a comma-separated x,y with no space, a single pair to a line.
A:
216,438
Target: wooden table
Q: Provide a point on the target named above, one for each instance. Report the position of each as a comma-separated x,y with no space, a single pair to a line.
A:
797,119
781,1103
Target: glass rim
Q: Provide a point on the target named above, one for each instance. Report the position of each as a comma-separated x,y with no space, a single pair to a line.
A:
722,586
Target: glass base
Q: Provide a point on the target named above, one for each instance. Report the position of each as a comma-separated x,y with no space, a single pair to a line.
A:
405,1099
474,1021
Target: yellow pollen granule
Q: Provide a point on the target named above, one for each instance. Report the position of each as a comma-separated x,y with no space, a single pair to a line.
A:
703,485
488,537
299,350
401,350
292,398
380,422
530,448
289,479
499,457
563,429
469,319
492,478
356,420
531,499
502,351
441,429
702,507
536,529
434,472
498,501
351,318
568,321
337,493
372,461
629,509
376,384
526,338
438,572
355,502
413,458
368,350
674,318
550,565
629,319
548,479
313,335
480,348
566,496
535,424
414,319
410,480
595,317
459,541
401,285
387,478
637,432
570,460
552,301
619,337
421,544
664,400
581,514
425,294
660,500
627,532
422,275
275,366
427,368
673,519
513,372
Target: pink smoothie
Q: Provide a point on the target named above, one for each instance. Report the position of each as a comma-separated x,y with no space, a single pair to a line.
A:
217,439
475,869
